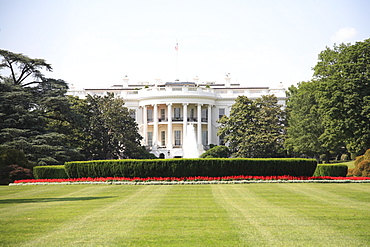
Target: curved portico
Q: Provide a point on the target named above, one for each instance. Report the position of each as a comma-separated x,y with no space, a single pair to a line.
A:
165,120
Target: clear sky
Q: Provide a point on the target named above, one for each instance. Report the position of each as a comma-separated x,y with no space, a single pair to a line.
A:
96,43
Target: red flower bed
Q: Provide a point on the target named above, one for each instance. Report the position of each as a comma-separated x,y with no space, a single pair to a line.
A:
198,178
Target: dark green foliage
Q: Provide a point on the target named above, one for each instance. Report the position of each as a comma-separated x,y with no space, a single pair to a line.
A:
304,122
331,170
255,128
332,110
106,130
190,167
217,152
13,157
343,78
32,117
51,172
13,165
15,172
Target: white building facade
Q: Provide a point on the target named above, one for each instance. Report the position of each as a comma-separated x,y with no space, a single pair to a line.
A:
163,111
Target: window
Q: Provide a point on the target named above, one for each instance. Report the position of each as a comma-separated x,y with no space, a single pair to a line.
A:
204,115
150,115
163,114
150,138
221,112
177,137
163,138
176,113
205,138
192,118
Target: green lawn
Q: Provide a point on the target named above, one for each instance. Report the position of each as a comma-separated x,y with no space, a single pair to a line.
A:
350,164
186,215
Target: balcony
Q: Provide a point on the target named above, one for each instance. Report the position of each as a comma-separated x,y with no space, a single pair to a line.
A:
177,119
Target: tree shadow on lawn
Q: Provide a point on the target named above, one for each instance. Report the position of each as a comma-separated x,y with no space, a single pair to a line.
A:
61,199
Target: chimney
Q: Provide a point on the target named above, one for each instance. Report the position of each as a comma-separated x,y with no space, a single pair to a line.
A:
125,81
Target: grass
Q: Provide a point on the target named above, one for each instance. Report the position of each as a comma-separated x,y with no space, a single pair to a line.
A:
186,215
350,164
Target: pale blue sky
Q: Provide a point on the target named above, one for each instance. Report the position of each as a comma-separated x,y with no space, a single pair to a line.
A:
95,43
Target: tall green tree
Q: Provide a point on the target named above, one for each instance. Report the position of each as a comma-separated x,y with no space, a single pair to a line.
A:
304,121
343,77
254,128
29,110
110,132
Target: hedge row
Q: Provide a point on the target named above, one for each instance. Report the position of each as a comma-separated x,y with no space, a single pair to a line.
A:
190,167
331,170
57,171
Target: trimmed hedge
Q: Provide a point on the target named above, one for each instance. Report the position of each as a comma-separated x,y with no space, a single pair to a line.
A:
190,167
331,170
57,171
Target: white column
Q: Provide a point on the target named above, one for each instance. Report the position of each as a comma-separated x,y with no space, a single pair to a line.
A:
169,126
185,120
145,122
199,139
155,129
209,124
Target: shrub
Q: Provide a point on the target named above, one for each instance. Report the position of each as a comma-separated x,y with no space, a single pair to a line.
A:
331,170
15,172
350,172
217,152
13,157
56,171
362,165
367,155
362,169
190,167
358,160
13,165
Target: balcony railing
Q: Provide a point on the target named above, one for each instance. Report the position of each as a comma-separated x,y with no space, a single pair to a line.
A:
178,119
163,119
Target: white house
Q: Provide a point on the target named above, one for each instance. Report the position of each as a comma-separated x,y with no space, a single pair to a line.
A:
163,111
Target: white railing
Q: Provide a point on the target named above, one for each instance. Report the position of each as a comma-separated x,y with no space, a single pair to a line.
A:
178,91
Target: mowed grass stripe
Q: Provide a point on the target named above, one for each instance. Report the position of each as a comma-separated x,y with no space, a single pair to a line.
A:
269,215
341,195
343,207
113,220
188,216
64,211
23,219
26,199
